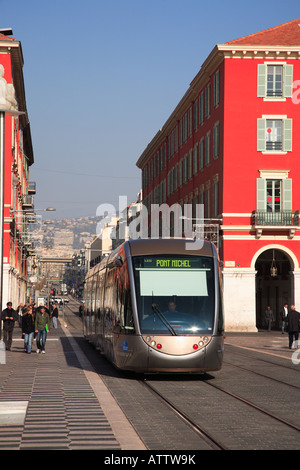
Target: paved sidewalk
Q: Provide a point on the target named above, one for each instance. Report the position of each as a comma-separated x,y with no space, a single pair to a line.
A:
56,401
272,343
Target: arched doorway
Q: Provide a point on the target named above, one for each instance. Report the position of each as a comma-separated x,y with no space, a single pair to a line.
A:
274,287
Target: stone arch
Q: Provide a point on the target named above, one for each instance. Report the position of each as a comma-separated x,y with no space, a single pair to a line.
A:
293,259
273,290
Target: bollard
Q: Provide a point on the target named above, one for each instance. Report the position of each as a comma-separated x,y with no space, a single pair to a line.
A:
2,352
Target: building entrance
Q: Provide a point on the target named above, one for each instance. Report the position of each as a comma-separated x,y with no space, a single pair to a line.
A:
274,285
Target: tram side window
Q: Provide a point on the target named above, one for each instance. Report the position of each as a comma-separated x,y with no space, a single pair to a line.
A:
124,316
128,316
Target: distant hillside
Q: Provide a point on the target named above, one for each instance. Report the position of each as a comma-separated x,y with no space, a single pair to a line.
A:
75,232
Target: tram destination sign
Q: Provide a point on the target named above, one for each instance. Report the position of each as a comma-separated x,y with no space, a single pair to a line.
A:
173,263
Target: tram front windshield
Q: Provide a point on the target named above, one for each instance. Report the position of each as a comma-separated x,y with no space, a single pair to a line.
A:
175,294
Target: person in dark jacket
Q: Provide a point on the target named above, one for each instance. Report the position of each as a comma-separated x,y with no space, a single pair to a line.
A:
9,316
28,328
293,327
54,315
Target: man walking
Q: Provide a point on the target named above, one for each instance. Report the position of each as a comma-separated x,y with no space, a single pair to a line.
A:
284,313
269,317
42,326
9,316
54,315
293,327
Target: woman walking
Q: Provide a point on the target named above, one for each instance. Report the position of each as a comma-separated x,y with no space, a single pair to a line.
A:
28,328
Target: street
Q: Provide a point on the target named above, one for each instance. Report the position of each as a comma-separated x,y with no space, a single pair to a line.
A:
236,408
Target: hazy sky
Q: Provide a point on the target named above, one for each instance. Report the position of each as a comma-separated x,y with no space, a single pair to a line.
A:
101,77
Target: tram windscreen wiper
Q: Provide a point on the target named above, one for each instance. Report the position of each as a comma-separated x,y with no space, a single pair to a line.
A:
163,319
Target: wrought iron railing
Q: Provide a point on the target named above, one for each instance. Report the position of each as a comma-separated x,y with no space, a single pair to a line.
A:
283,218
273,145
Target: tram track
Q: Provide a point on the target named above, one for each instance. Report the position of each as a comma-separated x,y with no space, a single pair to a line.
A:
261,375
211,441
208,435
256,407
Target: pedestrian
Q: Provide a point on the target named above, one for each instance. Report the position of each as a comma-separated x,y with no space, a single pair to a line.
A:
269,317
284,313
293,327
28,328
80,310
9,316
19,311
54,315
42,326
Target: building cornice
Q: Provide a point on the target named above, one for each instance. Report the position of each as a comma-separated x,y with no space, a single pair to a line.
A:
260,51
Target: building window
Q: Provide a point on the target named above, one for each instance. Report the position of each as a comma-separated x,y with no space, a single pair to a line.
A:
274,80
216,88
185,127
216,140
196,115
207,149
207,101
180,169
207,202
184,169
190,124
201,108
215,198
190,164
273,195
195,158
201,154
274,201
175,177
274,135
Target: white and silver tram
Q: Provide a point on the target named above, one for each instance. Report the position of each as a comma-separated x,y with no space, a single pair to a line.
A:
156,306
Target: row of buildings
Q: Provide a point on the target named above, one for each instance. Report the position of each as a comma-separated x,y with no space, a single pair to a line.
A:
17,198
231,145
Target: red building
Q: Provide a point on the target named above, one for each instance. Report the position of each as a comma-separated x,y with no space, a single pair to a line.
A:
232,143
18,157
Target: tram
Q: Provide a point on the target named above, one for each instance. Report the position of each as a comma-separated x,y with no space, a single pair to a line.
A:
154,306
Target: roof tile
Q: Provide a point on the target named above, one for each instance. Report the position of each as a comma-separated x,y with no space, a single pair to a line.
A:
286,34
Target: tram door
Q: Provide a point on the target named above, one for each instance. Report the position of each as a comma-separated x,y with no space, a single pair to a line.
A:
274,281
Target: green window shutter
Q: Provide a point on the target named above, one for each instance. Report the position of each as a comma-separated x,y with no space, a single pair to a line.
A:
260,194
287,137
287,194
261,135
261,80
288,81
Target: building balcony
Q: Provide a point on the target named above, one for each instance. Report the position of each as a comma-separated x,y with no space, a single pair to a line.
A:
27,202
32,187
282,220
